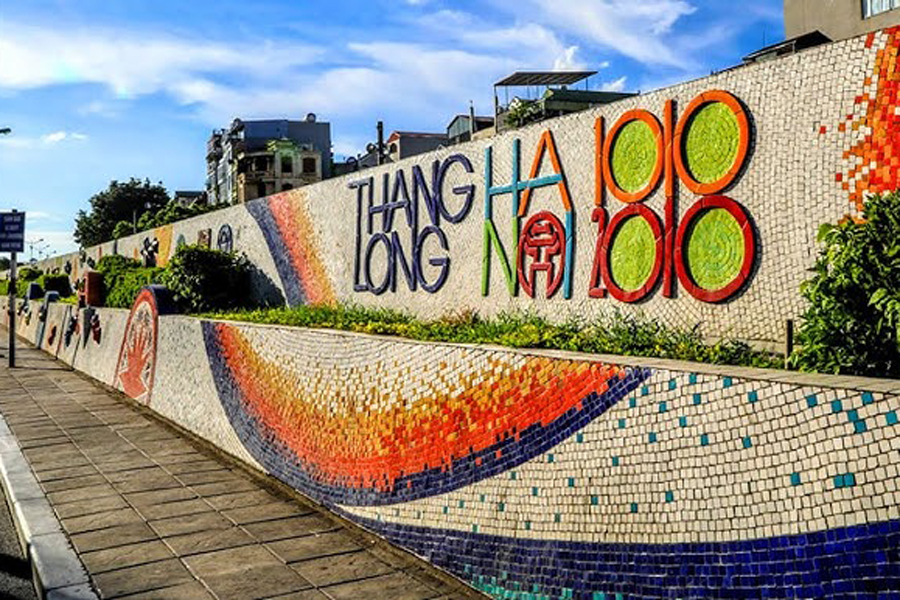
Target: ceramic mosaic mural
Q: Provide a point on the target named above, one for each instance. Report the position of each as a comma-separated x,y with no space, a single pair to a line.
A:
545,474
696,204
538,477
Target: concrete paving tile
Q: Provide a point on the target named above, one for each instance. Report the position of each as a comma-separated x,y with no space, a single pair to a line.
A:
206,477
314,546
77,495
264,512
342,568
144,480
395,586
101,520
42,442
87,507
173,509
124,463
40,430
193,523
245,573
142,578
302,595
73,483
43,475
217,488
281,529
428,577
31,433
194,466
240,499
208,541
56,460
126,556
185,591
125,467
160,496
110,537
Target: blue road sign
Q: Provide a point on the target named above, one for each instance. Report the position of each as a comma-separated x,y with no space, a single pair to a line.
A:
12,232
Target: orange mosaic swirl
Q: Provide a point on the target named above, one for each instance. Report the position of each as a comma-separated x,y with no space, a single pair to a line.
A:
342,443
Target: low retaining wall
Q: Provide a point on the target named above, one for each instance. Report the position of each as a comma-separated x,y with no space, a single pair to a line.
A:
537,474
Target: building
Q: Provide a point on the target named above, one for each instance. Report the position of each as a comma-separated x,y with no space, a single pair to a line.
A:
280,166
839,19
189,197
460,128
403,144
252,159
556,99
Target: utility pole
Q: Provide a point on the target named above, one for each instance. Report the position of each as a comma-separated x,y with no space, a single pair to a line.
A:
12,309
380,129
12,240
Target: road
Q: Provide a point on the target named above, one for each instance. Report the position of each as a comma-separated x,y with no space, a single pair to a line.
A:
15,573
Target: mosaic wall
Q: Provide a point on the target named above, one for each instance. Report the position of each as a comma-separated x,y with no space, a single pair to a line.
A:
697,204
541,474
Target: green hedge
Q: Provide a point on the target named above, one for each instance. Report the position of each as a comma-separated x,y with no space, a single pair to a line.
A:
620,334
56,283
202,279
851,324
123,279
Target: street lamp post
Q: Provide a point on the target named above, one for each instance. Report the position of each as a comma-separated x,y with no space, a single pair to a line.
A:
31,245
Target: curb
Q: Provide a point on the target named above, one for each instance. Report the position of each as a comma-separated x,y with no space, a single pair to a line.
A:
56,569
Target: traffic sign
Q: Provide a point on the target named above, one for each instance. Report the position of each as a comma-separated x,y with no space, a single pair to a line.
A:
12,232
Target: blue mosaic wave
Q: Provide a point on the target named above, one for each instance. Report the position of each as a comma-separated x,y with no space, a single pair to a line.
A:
851,562
281,462
262,214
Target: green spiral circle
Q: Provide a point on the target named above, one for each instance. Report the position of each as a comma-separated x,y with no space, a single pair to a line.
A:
632,254
634,156
715,249
711,143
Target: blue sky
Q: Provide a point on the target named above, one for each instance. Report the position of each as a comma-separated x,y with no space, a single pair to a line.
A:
97,90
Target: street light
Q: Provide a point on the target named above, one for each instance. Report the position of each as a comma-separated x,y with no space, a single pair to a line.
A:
147,206
31,245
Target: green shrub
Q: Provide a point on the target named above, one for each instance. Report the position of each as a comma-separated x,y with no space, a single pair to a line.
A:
56,283
617,334
851,324
28,274
123,279
202,279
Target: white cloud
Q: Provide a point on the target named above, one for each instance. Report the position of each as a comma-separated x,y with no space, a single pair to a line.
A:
614,86
49,139
130,62
53,138
634,28
568,62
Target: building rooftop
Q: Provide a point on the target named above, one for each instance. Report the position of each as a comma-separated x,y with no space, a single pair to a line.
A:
526,78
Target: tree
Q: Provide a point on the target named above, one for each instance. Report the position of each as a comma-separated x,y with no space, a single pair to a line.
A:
122,229
852,323
119,202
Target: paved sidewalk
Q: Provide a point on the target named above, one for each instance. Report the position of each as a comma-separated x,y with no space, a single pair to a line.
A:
152,515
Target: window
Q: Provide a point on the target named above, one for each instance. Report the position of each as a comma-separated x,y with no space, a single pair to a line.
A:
309,165
260,189
874,7
287,164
